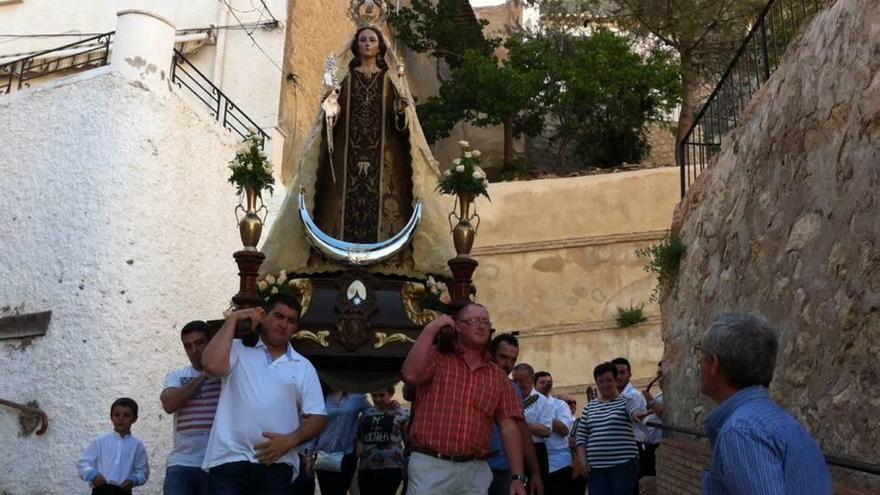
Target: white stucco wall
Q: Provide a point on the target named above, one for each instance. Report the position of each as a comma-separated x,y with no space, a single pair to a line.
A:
235,64
117,218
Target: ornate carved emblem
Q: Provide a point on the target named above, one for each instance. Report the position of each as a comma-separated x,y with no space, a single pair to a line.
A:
356,304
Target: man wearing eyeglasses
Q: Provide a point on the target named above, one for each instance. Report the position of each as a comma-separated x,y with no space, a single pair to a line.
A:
459,395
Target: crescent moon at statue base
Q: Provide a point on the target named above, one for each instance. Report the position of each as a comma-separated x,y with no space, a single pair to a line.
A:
355,254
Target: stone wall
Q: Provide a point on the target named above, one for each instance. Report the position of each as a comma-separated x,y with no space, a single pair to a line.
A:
117,218
557,257
786,223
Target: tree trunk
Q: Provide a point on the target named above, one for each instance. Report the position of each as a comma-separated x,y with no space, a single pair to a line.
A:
508,142
689,87
562,153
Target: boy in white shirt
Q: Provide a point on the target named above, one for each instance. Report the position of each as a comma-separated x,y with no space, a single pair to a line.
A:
116,462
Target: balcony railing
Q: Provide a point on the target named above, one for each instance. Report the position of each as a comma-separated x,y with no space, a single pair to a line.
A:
185,75
758,57
84,54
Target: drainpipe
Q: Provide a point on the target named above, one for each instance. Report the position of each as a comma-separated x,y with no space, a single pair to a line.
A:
220,46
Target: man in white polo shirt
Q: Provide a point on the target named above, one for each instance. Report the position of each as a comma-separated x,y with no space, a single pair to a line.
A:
270,402
538,414
191,395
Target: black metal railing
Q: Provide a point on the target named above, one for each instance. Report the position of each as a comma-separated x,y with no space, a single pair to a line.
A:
832,460
84,54
758,57
185,75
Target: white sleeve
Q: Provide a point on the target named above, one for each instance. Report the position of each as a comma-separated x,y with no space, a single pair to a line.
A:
562,413
546,415
311,397
87,464
234,352
172,379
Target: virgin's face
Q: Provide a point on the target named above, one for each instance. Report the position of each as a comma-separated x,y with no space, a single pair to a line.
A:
368,44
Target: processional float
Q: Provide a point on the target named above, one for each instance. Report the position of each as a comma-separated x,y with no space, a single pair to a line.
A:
363,237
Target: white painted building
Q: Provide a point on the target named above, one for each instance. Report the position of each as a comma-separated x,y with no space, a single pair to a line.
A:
118,219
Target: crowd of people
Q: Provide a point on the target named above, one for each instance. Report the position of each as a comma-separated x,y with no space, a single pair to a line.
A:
258,420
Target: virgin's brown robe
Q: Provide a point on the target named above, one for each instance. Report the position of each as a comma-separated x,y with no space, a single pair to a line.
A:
371,197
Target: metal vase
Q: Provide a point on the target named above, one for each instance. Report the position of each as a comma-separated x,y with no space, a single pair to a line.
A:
464,232
250,227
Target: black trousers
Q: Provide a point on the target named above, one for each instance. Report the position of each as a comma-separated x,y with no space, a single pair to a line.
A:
333,483
543,461
109,489
558,482
379,481
648,459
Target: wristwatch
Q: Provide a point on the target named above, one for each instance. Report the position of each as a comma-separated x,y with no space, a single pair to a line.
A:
520,477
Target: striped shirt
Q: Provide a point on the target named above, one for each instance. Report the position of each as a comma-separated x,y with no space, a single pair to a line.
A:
193,421
606,429
759,448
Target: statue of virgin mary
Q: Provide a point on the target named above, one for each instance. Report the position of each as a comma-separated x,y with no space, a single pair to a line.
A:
364,166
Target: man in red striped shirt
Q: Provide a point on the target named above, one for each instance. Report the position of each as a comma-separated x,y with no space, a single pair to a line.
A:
191,395
459,395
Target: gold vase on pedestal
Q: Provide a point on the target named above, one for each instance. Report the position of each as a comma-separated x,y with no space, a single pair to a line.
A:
464,232
250,227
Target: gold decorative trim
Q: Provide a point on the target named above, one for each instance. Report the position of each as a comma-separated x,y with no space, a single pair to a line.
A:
303,289
320,337
411,296
383,339
574,242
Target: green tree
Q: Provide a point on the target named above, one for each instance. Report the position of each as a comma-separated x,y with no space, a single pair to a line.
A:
481,89
704,34
599,92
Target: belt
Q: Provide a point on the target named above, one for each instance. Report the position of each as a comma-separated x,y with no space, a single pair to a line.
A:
451,458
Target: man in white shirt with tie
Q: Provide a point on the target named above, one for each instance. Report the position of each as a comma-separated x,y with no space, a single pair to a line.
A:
558,449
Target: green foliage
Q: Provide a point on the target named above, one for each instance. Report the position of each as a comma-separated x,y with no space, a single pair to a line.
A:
520,168
465,176
436,28
627,317
663,260
250,167
600,92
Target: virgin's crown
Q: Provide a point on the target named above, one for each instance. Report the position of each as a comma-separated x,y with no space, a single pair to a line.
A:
368,12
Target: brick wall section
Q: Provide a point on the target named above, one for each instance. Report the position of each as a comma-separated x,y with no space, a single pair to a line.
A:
680,463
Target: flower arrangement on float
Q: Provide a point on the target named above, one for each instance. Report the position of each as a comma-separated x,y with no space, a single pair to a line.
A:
466,180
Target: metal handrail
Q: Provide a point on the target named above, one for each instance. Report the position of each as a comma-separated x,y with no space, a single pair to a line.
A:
186,75
95,49
758,56
832,460
30,411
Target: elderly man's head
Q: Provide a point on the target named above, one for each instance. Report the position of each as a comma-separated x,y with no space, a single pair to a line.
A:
737,351
524,376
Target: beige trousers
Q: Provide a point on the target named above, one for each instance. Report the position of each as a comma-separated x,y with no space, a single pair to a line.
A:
431,476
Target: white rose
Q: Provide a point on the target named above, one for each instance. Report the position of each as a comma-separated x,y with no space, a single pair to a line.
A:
459,168
274,290
282,277
476,175
457,161
485,183
476,153
250,166
468,154
262,285
270,279
292,283
447,173
464,144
